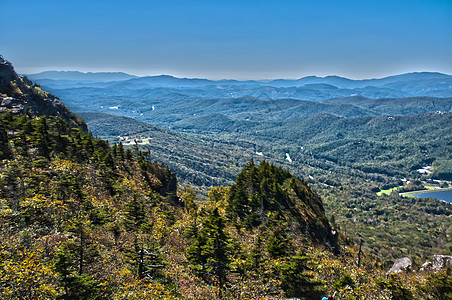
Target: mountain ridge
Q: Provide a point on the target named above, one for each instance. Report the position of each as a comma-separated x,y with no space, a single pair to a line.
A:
19,95
77,75
306,88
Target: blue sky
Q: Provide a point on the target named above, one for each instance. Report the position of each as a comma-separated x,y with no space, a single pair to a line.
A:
244,39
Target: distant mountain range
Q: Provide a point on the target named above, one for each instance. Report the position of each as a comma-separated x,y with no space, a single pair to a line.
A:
167,80
80,76
306,88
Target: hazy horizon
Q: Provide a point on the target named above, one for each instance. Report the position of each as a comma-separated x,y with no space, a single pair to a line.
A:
220,78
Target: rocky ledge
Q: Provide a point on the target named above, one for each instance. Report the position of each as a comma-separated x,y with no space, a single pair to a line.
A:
20,95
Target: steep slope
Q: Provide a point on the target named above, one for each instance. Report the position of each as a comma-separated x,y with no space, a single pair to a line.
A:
19,95
70,208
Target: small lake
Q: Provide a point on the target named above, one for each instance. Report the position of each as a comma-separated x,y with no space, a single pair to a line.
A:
441,195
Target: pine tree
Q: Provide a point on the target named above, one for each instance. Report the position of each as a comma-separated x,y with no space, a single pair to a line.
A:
129,155
71,263
278,242
146,260
25,129
245,185
5,151
114,150
135,214
256,256
209,252
122,154
295,281
108,160
42,137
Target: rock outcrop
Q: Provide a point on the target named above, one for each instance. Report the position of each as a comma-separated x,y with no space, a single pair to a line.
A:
400,265
7,75
19,95
438,263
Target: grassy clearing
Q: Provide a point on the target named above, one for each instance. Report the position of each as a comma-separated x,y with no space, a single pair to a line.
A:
388,191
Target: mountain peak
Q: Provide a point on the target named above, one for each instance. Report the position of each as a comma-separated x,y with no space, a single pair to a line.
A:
7,74
20,95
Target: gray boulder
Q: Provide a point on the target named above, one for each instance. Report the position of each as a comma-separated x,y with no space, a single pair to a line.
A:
400,265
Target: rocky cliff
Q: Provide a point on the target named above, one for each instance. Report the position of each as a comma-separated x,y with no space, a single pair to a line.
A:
19,95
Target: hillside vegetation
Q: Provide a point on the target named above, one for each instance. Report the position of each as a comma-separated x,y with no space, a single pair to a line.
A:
81,219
